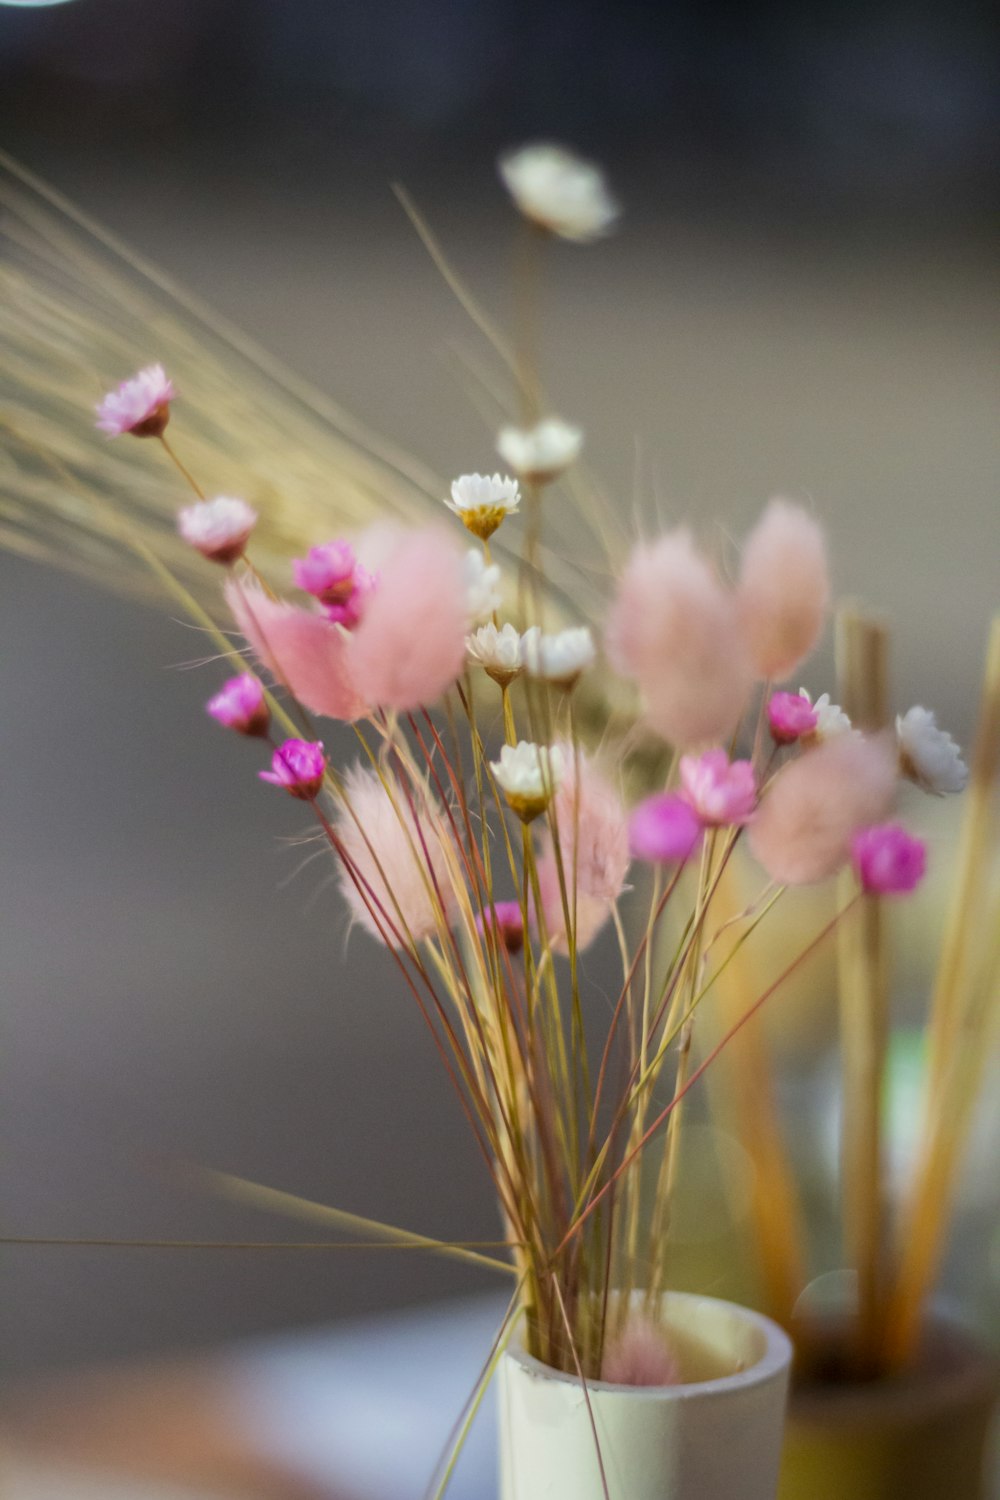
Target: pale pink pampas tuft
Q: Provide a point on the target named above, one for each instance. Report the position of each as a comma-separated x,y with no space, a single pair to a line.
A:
674,628
399,849
784,589
640,1356
410,645
301,649
594,841
806,821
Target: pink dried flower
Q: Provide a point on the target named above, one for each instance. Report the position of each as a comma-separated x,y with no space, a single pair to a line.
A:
219,529
349,610
404,857
804,825
790,716
506,920
784,589
887,860
240,705
722,792
410,644
298,766
326,572
594,842
664,830
301,650
674,629
140,405
640,1356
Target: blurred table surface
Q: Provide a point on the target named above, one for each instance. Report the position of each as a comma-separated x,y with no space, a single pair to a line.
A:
362,1410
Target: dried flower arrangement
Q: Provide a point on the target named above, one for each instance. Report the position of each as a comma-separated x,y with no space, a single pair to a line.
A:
487,833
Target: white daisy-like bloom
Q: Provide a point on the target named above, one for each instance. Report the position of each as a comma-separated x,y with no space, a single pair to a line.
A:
219,529
482,586
498,652
540,454
558,658
482,501
830,717
559,191
528,775
928,755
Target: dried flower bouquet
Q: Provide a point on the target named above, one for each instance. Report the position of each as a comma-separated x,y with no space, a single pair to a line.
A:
485,834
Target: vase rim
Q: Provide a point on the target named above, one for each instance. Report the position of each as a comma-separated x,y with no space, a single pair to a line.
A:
774,1361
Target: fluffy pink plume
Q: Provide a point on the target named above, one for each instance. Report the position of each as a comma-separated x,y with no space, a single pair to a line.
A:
300,649
399,857
784,589
594,840
805,823
674,628
410,644
640,1356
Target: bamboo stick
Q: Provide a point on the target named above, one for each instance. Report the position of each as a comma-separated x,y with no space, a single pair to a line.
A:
862,644
965,1014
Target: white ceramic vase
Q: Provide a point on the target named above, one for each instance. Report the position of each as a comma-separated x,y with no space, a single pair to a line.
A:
717,1436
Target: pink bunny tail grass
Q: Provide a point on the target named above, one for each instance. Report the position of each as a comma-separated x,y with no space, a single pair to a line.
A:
640,1356
594,842
591,911
300,649
404,857
410,645
805,824
784,589
674,628
593,827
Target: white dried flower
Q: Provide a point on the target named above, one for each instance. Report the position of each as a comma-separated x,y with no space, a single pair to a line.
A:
498,652
540,454
830,718
558,658
559,191
219,529
482,502
928,755
482,585
528,775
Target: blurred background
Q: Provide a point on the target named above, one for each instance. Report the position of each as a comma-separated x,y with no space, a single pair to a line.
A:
801,300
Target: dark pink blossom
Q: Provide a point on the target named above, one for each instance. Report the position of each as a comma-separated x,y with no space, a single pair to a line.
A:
326,572
722,792
349,610
664,829
790,717
506,920
240,705
298,766
888,861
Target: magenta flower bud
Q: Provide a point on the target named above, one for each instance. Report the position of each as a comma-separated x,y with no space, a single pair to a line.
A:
349,610
219,529
506,921
664,829
326,572
140,405
240,705
887,860
722,792
299,767
790,717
